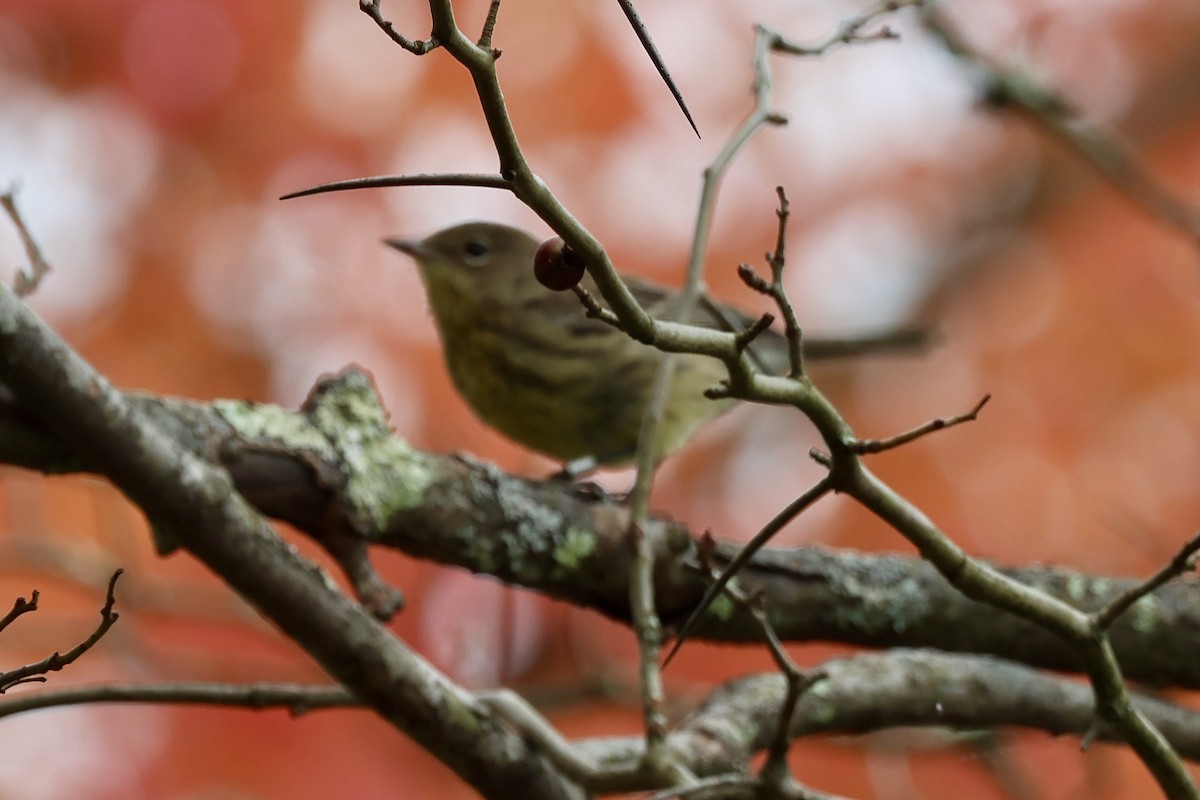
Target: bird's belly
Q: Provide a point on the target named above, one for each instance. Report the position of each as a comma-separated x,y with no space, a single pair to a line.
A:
582,398
544,400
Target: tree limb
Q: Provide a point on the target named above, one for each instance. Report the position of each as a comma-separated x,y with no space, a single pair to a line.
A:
568,540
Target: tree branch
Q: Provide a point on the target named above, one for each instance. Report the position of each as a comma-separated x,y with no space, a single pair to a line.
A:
569,541
197,502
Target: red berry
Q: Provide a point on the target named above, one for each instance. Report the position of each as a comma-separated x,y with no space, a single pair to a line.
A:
556,266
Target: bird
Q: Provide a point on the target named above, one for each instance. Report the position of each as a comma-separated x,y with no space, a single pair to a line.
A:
534,366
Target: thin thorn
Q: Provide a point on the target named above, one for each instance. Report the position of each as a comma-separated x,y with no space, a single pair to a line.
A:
648,45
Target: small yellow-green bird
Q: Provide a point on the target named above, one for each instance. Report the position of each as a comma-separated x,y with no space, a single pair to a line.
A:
535,368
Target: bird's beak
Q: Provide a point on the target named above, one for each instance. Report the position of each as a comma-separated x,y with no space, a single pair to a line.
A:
413,247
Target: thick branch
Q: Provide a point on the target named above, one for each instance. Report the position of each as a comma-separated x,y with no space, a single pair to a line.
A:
568,542
197,502
869,692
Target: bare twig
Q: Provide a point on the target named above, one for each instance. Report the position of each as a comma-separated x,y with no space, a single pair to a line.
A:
648,629
297,698
691,293
36,673
1183,561
867,446
849,31
593,308
776,773
516,711
27,279
747,336
489,27
647,624
790,512
1114,160
416,47
795,336
20,606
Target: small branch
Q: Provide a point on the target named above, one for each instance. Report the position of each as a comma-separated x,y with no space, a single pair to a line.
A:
420,48
775,773
1115,161
646,621
297,698
897,340
1183,561
753,280
517,712
692,293
482,180
747,336
867,446
594,310
876,691
55,661
849,31
20,606
790,512
795,336
489,26
647,627
27,279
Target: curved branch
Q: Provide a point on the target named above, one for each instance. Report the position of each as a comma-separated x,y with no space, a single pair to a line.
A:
868,692
480,179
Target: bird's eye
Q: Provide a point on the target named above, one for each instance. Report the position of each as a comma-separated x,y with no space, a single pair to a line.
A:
475,252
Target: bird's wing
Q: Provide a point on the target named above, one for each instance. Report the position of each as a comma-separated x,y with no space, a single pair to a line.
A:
769,349
661,302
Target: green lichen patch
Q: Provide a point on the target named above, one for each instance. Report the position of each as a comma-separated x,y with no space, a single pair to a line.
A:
384,474
283,429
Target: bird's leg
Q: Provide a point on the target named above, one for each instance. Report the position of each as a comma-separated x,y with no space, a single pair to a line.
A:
576,469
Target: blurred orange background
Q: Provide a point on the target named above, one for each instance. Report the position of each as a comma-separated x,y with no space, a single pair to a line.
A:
151,140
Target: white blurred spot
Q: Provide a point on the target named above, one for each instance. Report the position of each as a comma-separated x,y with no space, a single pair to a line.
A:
858,270
872,108
767,468
461,145
350,74
313,290
85,751
83,165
